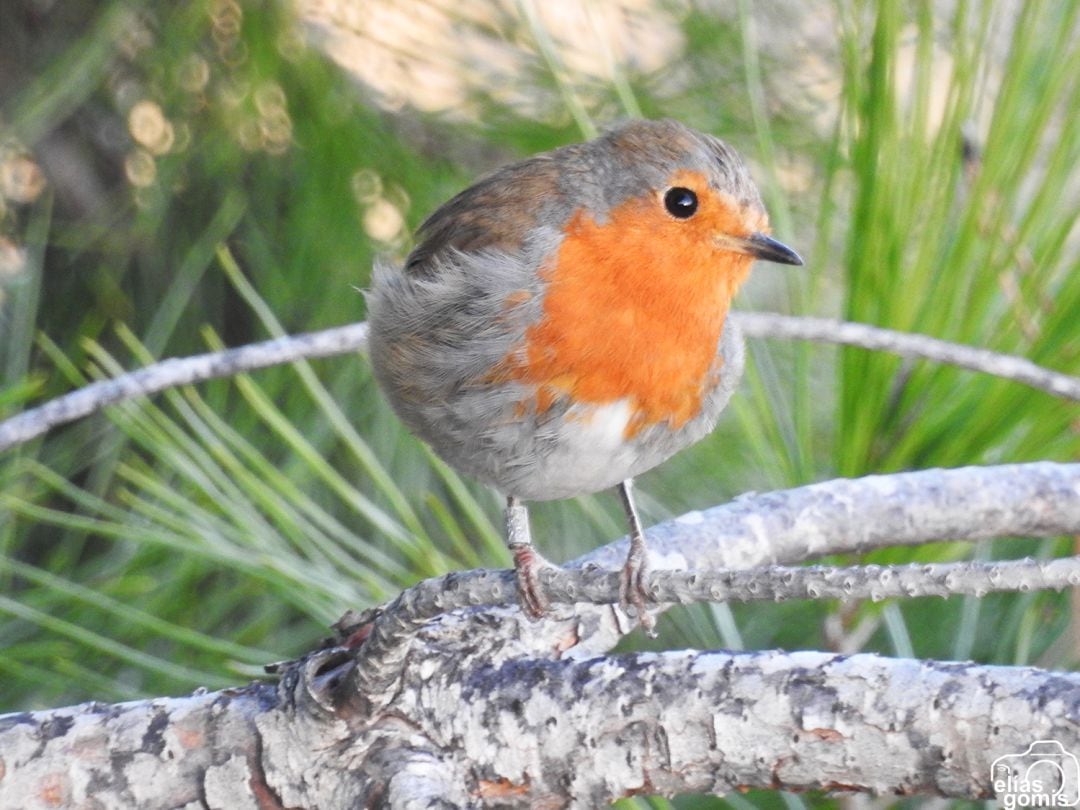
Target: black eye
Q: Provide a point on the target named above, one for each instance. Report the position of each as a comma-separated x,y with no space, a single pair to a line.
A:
680,202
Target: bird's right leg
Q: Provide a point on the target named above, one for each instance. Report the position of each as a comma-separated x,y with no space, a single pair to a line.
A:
527,560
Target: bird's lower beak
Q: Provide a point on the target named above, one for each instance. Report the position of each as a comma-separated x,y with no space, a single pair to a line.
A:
761,246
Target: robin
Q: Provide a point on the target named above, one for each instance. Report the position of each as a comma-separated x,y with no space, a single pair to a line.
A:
561,325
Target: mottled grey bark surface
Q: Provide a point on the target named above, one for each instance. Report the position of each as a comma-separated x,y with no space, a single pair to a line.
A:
429,702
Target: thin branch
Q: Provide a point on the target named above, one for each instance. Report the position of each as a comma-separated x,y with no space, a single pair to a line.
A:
352,338
825,330
772,583
845,516
383,653
916,507
177,371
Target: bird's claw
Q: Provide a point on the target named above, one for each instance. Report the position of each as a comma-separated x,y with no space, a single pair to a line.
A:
633,594
527,565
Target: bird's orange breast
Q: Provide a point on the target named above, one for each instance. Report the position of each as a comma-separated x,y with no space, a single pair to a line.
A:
633,309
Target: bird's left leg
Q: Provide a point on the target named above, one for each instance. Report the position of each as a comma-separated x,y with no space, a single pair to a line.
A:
631,583
527,560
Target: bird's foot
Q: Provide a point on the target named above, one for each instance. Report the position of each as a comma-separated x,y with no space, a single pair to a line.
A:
528,564
632,591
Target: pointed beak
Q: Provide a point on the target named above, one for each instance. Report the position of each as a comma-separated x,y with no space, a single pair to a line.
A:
761,246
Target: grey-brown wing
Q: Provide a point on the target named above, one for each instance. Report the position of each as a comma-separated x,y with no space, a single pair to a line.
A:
496,213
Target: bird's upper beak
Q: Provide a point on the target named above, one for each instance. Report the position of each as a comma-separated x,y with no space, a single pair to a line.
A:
761,246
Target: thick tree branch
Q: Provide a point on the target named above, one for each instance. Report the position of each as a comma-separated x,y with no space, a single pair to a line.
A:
352,338
694,722
167,752
470,732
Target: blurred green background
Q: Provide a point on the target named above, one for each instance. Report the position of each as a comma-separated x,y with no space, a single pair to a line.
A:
181,176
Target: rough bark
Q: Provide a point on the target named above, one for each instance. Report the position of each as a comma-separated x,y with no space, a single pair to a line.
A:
479,707
554,733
